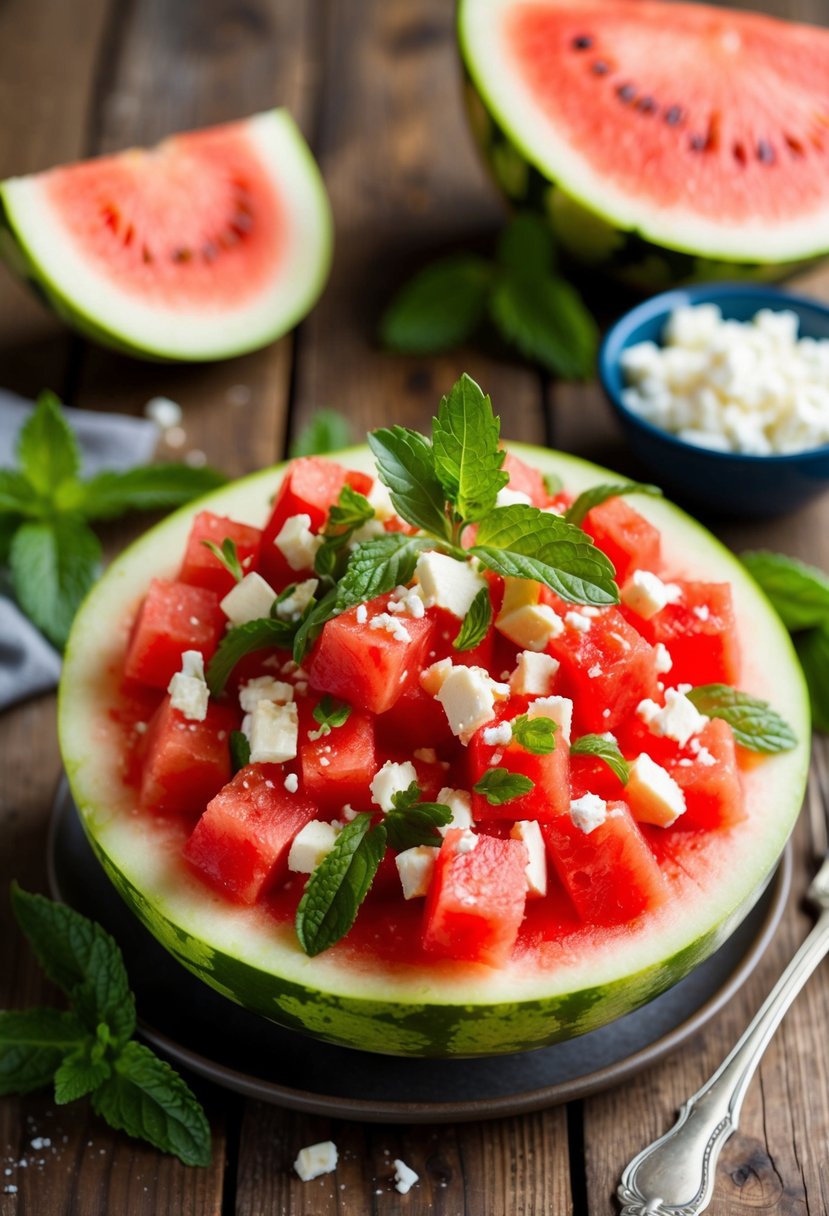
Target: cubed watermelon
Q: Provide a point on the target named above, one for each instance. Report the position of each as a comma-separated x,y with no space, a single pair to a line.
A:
241,843
700,632
201,567
707,773
550,774
338,767
628,539
185,762
173,617
525,480
416,717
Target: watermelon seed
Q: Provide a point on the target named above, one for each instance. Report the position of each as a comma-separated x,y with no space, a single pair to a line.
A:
146,255
626,92
739,153
182,255
697,143
242,222
209,251
673,115
129,234
582,43
765,152
599,68
794,145
647,105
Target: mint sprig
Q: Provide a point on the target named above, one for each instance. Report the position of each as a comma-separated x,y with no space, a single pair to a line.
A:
262,634
228,556
239,750
411,822
339,884
440,307
406,465
378,566
89,1049
330,713
500,785
467,456
596,495
327,431
755,724
799,592
351,512
813,651
535,735
603,749
52,554
476,623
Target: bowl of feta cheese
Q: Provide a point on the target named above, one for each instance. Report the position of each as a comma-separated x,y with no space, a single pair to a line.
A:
723,391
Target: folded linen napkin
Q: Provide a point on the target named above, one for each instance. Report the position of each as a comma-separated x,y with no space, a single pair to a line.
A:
28,663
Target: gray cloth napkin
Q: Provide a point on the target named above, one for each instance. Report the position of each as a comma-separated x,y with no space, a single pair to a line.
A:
28,664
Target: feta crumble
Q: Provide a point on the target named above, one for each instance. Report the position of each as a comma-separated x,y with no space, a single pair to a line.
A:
404,1176
316,1159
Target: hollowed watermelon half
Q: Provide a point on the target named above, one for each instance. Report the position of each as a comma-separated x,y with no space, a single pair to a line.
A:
212,243
664,142
372,990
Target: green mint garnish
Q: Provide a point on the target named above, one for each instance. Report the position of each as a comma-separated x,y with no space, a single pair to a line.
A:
798,592
378,566
603,749
262,634
52,554
406,465
327,432
596,495
813,652
351,511
339,884
553,483
310,627
330,712
239,750
467,458
89,1050
499,785
476,623
228,556
536,735
439,307
411,823
756,725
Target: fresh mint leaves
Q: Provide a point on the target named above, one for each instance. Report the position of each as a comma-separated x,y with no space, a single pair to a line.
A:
228,556
813,651
411,823
52,554
756,725
500,785
378,566
596,495
329,713
466,452
239,750
350,513
535,735
326,432
406,464
603,749
90,1050
476,622
339,884
245,639
519,292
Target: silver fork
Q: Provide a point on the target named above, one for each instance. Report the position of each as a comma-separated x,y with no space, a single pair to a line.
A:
676,1174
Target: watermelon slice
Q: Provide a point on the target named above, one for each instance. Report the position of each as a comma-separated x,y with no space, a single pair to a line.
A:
211,244
664,142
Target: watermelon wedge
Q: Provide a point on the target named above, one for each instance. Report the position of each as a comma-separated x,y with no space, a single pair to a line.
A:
213,243
664,142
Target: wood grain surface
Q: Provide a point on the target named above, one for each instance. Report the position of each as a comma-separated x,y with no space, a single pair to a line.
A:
375,86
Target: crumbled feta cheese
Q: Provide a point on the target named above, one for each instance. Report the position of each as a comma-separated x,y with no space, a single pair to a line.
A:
534,674
361,614
578,620
679,719
389,780
559,709
316,1159
467,695
701,611
293,606
415,867
529,833
531,627
391,624
291,783
646,594
460,804
447,583
188,691
588,812
408,600
310,845
404,1176
431,678
500,735
652,793
264,688
664,662
272,732
508,498
297,543
249,600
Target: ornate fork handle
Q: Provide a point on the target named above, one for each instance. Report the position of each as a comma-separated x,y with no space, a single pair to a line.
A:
675,1175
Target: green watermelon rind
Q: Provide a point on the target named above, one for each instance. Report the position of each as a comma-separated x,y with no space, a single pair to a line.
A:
441,1010
19,238
634,255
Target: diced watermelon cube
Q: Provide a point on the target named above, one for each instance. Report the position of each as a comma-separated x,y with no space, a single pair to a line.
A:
625,536
700,632
201,567
417,718
610,873
476,900
707,773
525,480
369,667
174,617
590,775
447,627
241,843
185,762
310,487
550,774
607,666
338,767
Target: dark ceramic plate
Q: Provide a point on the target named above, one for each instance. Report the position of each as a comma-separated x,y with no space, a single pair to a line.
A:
202,1030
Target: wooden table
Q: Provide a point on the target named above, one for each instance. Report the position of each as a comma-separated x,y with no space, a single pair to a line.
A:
375,87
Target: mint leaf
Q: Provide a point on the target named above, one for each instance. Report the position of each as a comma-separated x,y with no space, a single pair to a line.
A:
32,1044
536,735
546,320
17,495
82,959
242,640
80,1072
154,487
406,465
330,712
146,1098
410,824
339,885
53,565
525,542
476,622
439,308
351,511
526,246
553,483
798,592
8,526
813,652
312,623
239,750
327,431
604,749
380,565
46,447
467,458
499,785
228,556
596,495
755,724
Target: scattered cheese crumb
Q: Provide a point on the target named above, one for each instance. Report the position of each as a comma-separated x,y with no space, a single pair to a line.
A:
534,673
391,779
188,691
578,620
316,1159
404,1176
264,688
646,594
415,867
391,624
291,783
588,812
678,719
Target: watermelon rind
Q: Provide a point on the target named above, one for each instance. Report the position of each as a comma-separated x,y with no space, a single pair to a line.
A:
406,1009
35,245
596,223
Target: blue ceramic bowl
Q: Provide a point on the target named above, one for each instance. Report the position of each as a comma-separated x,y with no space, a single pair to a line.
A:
726,483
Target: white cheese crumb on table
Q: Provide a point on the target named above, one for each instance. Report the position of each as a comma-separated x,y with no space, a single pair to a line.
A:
316,1159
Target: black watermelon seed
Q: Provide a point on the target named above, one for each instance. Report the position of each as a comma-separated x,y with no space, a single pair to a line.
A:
599,68
626,92
582,43
673,115
646,104
697,143
765,152
182,255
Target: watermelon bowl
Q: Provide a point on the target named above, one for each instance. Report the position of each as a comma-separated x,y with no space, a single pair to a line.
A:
373,990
